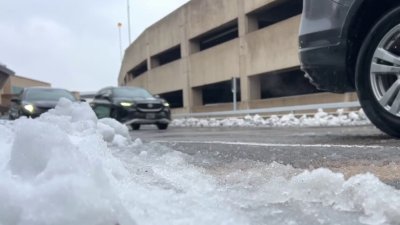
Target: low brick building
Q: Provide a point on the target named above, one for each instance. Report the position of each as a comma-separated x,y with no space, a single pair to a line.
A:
11,85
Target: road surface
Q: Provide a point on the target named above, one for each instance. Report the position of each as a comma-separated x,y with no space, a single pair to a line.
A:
349,150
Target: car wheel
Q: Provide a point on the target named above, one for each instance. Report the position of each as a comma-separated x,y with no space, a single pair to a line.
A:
135,126
162,126
378,74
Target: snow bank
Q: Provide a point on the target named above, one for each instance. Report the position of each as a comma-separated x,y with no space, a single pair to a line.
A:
321,118
57,169
67,167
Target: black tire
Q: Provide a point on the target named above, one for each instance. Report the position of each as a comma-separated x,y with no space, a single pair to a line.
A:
376,112
135,126
162,126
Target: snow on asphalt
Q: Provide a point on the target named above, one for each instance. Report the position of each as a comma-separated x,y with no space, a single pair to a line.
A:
320,118
68,167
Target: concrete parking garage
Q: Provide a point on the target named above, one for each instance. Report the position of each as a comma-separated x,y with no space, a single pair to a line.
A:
191,56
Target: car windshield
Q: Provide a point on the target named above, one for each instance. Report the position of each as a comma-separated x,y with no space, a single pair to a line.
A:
48,95
132,93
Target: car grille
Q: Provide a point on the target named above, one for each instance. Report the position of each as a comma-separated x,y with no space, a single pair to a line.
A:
149,107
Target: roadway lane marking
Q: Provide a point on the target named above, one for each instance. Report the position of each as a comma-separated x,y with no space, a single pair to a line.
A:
274,145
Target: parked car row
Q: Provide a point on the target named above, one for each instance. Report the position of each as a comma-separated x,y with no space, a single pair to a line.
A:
132,106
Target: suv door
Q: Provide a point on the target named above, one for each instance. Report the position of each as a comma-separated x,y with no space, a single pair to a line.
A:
102,105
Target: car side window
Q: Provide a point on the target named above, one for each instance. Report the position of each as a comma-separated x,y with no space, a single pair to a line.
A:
105,91
102,111
101,92
21,95
108,92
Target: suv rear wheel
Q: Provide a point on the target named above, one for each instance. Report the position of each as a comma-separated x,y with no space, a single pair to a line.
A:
135,126
162,126
378,74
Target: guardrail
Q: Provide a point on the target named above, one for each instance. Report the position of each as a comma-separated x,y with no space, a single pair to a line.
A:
285,109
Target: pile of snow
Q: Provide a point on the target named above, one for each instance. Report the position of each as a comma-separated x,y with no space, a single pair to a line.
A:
289,196
68,167
57,169
320,118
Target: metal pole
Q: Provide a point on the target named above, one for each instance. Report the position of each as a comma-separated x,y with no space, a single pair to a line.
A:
129,22
120,40
234,91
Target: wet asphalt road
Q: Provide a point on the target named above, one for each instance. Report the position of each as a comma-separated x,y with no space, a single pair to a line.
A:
349,150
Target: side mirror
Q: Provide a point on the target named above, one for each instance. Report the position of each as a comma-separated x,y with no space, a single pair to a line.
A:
156,96
15,100
103,96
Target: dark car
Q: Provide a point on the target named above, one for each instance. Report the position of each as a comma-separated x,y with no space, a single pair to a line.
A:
348,45
34,101
132,106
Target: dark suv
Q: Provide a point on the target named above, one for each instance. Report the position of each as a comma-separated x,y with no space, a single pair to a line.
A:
34,101
132,106
348,45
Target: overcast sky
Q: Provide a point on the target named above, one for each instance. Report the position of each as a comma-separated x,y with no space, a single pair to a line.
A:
72,44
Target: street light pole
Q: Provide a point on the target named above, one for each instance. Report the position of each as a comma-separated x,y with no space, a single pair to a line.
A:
129,21
120,39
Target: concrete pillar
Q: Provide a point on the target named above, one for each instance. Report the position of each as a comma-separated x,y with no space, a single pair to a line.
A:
154,62
192,96
197,97
194,47
254,86
251,24
148,63
185,52
243,30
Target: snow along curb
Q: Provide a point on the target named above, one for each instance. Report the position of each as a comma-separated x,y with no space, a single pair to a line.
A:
319,119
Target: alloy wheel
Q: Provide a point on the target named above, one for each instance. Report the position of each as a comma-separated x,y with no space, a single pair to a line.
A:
385,72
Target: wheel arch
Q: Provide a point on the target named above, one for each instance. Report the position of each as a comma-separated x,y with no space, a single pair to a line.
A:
365,14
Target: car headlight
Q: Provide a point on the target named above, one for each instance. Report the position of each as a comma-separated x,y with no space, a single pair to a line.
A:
126,104
166,104
29,108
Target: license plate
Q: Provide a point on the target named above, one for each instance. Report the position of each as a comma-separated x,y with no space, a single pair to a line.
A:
150,116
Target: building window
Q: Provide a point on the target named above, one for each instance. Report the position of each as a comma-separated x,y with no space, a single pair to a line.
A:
175,98
272,13
166,57
220,92
139,70
222,34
